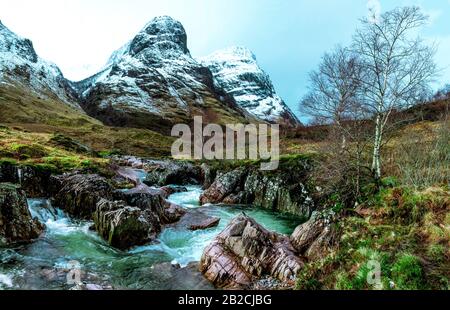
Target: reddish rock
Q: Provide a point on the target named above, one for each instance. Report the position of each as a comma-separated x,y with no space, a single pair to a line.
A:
225,185
205,224
245,252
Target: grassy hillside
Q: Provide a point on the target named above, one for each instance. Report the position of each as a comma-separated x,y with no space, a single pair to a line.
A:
406,232
25,111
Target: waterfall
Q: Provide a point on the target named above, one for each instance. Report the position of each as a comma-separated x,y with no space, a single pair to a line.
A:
43,210
19,175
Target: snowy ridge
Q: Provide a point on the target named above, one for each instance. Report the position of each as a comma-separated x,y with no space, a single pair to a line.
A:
151,77
153,82
20,63
237,72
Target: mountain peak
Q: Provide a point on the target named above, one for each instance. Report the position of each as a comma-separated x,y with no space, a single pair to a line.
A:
20,63
15,45
233,52
163,25
163,35
237,73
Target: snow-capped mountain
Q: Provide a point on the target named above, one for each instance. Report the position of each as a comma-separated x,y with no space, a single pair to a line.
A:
153,82
20,65
237,73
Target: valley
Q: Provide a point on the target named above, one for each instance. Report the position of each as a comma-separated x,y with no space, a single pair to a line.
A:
91,197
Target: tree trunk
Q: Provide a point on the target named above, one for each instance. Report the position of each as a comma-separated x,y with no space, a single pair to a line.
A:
376,159
344,142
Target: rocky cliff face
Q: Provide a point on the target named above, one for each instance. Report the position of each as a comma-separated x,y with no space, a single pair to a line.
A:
286,190
153,82
238,74
19,64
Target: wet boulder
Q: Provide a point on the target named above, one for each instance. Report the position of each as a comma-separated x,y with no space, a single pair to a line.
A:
172,172
152,200
123,226
172,213
16,223
128,174
197,220
34,180
78,194
136,218
246,252
171,189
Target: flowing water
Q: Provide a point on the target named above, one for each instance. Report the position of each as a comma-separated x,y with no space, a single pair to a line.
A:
45,263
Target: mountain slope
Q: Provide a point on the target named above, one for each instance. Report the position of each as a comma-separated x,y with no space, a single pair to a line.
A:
20,65
153,82
238,74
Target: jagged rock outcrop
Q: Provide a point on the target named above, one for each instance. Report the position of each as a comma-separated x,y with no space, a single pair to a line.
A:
317,237
16,223
245,252
227,188
238,74
153,82
285,190
20,65
78,194
150,199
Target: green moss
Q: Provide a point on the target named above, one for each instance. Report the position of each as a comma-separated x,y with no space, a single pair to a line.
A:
70,144
8,161
407,272
25,151
437,252
43,167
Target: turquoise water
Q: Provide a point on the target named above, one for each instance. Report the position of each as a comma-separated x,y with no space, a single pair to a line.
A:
45,263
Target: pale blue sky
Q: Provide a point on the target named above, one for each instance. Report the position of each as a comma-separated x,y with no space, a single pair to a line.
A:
287,36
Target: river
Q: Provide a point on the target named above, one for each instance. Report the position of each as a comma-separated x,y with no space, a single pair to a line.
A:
69,244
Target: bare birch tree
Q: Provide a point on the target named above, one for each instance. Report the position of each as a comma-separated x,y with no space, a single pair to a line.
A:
398,67
334,98
334,90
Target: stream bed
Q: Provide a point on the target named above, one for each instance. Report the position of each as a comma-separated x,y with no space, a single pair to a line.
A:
69,244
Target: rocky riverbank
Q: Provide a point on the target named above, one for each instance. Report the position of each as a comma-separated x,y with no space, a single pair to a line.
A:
243,255
287,189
